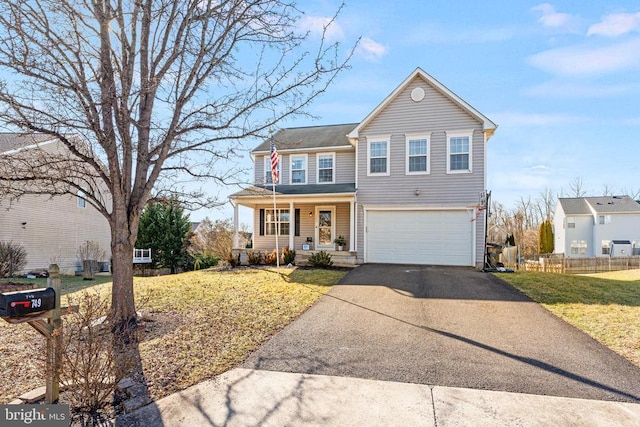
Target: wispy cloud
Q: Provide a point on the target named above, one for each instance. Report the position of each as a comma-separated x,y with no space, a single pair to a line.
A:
319,25
371,50
535,119
616,24
588,59
551,18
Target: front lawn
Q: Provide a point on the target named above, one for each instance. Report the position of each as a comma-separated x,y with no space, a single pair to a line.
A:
606,306
196,325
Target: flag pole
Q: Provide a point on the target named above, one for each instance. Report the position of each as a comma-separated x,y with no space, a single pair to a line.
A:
274,161
277,218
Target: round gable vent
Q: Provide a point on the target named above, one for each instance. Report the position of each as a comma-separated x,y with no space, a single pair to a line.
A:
417,94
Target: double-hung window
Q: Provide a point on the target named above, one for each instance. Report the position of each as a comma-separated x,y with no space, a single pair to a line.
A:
578,247
604,219
417,147
606,247
378,156
279,220
267,170
326,168
459,152
571,222
298,165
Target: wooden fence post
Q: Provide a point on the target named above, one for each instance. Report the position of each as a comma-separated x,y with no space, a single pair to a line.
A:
54,342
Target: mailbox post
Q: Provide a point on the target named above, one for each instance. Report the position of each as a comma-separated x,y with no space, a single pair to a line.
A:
41,309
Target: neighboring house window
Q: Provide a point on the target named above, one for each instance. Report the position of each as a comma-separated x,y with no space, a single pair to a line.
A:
417,154
604,219
378,156
299,169
571,222
267,170
578,247
606,247
459,152
326,165
82,201
271,221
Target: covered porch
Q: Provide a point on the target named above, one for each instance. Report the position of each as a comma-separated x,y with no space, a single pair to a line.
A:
305,218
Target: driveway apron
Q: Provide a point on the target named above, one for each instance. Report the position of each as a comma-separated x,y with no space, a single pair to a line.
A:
446,326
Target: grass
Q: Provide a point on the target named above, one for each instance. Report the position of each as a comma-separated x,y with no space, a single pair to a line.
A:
69,284
606,305
196,325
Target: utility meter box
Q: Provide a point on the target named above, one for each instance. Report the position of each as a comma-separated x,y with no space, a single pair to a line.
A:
25,303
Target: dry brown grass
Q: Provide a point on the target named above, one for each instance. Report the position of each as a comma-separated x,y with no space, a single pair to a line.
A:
196,325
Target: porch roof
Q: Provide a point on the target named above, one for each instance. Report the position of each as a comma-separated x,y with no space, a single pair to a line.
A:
295,190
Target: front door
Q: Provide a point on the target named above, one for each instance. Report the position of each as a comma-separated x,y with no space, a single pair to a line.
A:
325,227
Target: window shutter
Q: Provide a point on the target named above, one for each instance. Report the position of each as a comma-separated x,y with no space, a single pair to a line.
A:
262,222
297,219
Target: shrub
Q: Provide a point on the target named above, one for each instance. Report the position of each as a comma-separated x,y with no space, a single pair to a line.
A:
271,258
90,369
254,258
13,258
288,255
321,260
201,261
233,261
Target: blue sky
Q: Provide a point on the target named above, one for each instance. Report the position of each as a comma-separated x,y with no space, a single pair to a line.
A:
561,79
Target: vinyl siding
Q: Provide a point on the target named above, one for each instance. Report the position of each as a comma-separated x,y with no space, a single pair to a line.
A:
435,114
344,167
54,229
307,226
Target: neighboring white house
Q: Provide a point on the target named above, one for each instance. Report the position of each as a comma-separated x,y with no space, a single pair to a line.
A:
597,226
51,229
406,185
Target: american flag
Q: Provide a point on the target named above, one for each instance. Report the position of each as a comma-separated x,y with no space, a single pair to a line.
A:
274,162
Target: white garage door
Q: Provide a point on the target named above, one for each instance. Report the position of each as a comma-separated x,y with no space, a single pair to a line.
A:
419,237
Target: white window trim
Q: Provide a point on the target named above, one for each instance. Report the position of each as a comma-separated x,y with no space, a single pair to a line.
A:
571,220
333,175
267,168
413,137
278,223
371,140
306,168
456,134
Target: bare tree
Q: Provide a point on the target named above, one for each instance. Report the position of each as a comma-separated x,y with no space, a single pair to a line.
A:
576,187
545,205
143,92
607,190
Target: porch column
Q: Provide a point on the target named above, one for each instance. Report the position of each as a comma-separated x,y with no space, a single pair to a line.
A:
235,225
352,225
292,224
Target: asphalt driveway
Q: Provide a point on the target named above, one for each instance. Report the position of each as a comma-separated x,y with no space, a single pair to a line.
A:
446,326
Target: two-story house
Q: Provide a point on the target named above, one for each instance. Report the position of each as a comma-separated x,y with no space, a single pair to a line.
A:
597,226
406,185
50,228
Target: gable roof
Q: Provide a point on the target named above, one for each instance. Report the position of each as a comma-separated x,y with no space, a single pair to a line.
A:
10,142
303,138
600,204
487,124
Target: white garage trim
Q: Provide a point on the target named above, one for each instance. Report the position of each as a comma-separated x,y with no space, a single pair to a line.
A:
461,216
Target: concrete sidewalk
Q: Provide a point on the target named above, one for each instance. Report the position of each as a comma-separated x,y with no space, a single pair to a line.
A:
247,397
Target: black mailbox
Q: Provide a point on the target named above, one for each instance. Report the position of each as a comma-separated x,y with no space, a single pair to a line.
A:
25,303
